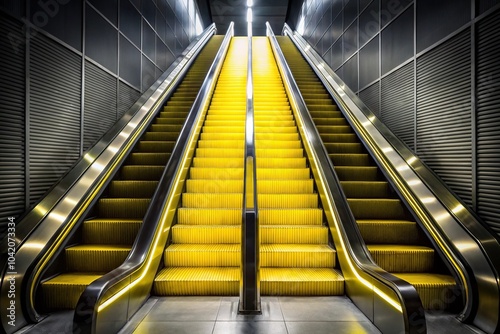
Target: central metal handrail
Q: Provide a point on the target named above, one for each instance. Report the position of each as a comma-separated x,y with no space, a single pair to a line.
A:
250,243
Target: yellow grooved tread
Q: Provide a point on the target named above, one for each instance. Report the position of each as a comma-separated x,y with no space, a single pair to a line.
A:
312,216
205,216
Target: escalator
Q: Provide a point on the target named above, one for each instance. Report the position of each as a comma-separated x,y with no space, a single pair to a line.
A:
106,236
296,258
393,237
204,255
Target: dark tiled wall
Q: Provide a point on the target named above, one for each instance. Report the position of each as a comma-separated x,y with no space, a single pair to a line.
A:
427,69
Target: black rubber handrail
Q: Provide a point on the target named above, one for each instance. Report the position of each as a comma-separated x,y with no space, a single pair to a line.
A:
109,302
412,316
250,244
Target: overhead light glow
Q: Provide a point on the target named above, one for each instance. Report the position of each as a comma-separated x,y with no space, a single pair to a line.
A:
249,15
249,3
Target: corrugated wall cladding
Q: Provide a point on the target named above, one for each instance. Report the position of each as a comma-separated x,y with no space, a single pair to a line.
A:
12,86
126,98
371,97
54,109
398,103
100,104
444,134
488,120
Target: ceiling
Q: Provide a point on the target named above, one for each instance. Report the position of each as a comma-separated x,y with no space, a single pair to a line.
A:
223,12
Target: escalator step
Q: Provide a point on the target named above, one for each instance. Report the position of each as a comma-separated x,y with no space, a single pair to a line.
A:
301,282
357,173
279,162
330,121
221,144
278,144
263,153
169,120
197,281
206,234
166,127
137,158
293,234
334,129
132,189
274,136
218,163
283,173
297,256
379,208
110,231
123,207
278,201
145,173
216,173
214,186
285,186
313,216
403,258
203,255
95,258
364,189
350,159
63,291
436,291
389,231
349,148
229,201
204,216
155,146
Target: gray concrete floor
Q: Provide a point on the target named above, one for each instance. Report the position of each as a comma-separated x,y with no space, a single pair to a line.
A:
214,315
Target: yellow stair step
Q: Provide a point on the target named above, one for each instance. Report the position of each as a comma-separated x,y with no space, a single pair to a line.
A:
185,281
209,200
216,173
206,234
238,144
308,216
283,173
110,231
222,136
203,255
95,258
403,258
293,234
301,282
389,231
285,186
287,200
220,152
63,291
214,186
297,255
277,144
280,163
218,162
279,153
436,291
132,188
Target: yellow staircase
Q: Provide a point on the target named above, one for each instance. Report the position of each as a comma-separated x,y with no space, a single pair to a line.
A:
106,239
204,256
296,258
393,238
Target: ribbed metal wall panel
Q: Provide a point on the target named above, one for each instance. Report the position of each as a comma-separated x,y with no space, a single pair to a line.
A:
126,98
398,103
371,97
55,83
488,120
444,132
100,104
12,124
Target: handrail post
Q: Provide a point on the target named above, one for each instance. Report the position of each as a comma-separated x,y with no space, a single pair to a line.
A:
250,241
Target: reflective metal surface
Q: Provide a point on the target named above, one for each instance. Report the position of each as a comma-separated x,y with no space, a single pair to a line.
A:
44,229
250,241
467,244
390,303
109,302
